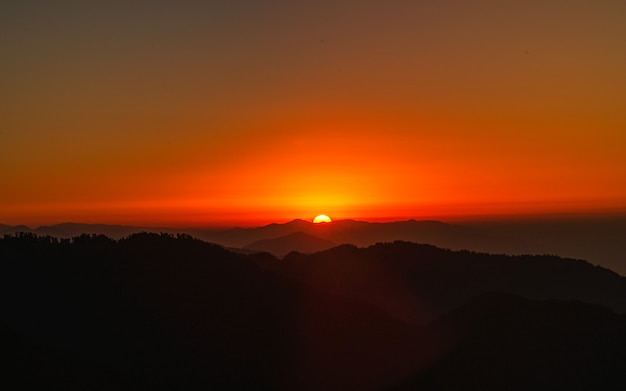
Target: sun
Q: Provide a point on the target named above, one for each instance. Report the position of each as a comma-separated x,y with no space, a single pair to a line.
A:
321,219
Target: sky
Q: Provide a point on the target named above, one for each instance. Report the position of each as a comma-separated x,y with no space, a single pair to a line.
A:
201,113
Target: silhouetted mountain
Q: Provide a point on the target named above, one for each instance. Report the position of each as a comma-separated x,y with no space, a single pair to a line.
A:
297,241
69,230
359,233
504,342
10,230
601,241
416,282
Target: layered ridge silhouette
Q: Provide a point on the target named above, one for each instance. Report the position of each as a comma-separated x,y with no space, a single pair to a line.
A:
297,241
601,241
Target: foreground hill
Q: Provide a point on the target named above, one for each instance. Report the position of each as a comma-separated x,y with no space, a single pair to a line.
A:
418,282
504,342
164,312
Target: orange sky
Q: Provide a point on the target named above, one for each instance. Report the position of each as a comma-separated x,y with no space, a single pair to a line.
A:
233,113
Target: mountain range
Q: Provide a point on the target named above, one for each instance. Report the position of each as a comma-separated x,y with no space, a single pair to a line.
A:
600,241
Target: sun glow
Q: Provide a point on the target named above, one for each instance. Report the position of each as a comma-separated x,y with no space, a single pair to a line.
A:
321,219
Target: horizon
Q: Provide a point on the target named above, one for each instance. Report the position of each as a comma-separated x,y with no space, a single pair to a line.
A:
473,219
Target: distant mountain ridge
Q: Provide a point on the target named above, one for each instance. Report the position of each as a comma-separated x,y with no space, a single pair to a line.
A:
297,241
360,233
68,230
599,241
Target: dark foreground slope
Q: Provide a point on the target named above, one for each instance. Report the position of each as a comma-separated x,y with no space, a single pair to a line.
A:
177,313
504,342
418,282
163,312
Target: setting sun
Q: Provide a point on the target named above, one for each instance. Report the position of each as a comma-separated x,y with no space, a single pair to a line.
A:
322,219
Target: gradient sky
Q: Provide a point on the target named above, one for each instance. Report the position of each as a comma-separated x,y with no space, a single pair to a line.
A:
246,112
